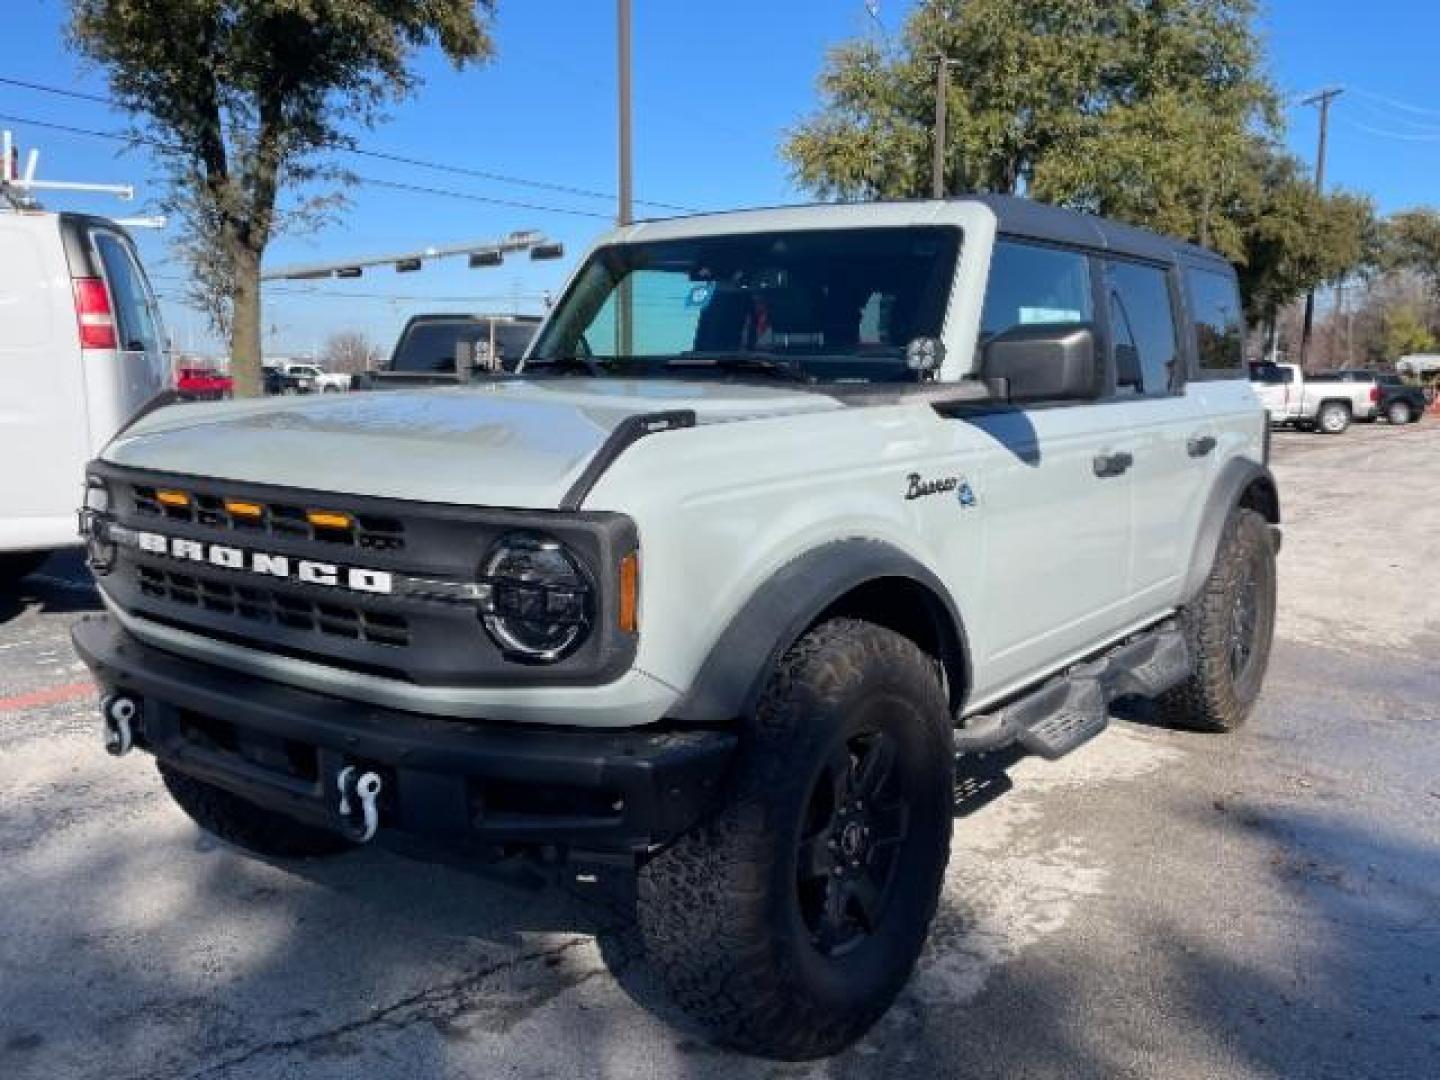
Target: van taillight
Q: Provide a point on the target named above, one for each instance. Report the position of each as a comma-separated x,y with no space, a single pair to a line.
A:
92,310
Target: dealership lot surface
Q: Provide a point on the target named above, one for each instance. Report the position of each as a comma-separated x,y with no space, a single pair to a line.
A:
1157,904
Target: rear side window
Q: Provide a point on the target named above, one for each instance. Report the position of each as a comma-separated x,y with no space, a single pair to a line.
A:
432,346
134,316
1030,284
1142,318
1218,323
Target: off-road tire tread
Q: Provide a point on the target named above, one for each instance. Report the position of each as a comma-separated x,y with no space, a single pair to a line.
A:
703,903
246,825
1206,701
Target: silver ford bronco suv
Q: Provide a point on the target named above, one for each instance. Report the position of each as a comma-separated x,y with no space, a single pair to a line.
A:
786,511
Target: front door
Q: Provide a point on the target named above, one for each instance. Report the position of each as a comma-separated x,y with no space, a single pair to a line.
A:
1056,522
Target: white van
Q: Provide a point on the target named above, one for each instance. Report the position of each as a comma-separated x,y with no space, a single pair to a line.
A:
82,350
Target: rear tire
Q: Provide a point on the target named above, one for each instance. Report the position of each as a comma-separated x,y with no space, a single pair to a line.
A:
789,922
1228,628
1334,418
242,823
1399,412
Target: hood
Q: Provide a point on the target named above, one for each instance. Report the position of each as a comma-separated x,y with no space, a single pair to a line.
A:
517,443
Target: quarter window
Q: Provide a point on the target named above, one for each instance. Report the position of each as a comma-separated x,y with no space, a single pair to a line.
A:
1030,284
1218,324
1142,325
134,315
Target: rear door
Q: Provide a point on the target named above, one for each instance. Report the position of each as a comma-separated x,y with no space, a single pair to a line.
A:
1172,440
122,382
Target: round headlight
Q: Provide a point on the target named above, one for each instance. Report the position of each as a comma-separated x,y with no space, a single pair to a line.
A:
537,603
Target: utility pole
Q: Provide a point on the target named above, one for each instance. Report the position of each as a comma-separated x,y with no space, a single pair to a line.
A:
625,212
942,92
1323,98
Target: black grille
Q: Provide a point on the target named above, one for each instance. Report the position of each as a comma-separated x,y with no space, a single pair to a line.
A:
370,532
257,605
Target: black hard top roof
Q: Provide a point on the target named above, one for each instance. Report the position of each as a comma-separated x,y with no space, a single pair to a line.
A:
1041,221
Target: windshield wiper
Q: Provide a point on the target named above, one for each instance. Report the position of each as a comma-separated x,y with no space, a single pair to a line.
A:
787,367
587,365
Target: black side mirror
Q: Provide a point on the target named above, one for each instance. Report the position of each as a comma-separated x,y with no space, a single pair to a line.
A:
1043,362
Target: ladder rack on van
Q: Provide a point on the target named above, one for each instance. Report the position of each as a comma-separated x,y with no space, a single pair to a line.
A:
17,187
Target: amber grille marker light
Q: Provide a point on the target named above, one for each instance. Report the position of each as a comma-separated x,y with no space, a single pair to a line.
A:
328,519
240,509
172,498
629,593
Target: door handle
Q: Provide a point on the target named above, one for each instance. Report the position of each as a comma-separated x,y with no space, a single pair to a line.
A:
1113,464
1199,445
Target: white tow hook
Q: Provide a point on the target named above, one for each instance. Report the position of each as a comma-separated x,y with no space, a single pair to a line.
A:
366,789
118,714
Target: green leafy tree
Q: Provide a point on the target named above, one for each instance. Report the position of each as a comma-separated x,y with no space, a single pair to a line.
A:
1412,242
1156,112
1405,333
245,99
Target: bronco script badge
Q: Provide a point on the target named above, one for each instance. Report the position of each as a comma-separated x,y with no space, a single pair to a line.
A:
918,487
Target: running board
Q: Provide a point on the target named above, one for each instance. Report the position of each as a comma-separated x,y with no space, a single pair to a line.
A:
1071,709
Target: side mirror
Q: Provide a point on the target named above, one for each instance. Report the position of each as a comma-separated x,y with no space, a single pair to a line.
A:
1043,362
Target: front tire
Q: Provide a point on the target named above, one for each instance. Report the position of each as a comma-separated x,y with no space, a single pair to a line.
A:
1228,628
242,823
789,922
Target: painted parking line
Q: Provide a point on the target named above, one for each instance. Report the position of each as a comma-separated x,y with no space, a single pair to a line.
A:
53,695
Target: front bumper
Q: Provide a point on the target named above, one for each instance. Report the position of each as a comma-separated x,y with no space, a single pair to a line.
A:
486,788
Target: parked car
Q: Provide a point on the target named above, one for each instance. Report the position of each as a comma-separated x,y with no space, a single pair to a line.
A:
785,509
83,349
203,384
332,382
291,377
444,348
1326,403
1397,400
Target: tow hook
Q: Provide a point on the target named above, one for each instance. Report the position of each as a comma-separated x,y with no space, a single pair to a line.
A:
118,713
365,788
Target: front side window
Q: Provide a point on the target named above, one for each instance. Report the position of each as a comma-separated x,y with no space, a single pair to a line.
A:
1142,325
135,321
1219,325
817,304
1030,284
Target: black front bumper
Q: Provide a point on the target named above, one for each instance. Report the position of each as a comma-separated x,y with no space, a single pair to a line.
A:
485,787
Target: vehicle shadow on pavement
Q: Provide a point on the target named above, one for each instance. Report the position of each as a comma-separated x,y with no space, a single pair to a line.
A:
61,587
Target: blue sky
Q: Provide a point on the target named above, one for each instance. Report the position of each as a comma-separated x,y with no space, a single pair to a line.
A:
715,88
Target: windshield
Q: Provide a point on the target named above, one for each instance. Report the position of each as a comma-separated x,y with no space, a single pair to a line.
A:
824,304
432,345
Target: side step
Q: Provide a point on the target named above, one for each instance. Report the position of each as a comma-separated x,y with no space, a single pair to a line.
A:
1071,709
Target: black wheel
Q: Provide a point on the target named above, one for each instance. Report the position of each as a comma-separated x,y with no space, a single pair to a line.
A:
789,923
18,564
1398,412
1334,417
246,825
1229,628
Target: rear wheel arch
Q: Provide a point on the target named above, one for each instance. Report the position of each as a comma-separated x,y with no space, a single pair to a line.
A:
1242,483
861,579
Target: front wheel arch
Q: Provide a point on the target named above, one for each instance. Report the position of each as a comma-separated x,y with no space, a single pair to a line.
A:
855,578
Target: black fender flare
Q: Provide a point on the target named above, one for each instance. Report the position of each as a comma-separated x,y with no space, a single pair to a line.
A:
733,676
1241,480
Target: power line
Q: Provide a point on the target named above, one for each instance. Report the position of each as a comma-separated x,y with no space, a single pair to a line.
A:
492,200
384,155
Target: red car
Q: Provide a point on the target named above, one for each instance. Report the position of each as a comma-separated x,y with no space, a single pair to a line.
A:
202,384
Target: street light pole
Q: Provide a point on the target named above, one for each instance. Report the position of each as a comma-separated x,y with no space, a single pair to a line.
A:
942,92
626,210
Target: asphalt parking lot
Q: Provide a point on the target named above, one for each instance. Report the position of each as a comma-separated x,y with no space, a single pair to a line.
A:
1158,904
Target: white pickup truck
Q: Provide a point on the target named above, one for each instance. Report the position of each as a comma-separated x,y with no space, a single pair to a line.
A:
1325,403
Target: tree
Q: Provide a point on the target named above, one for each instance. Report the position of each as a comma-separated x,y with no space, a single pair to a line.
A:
1412,242
1138,109
350,352
244,99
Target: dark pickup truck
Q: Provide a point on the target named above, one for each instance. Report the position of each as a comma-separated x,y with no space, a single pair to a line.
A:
443,349
1398,401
